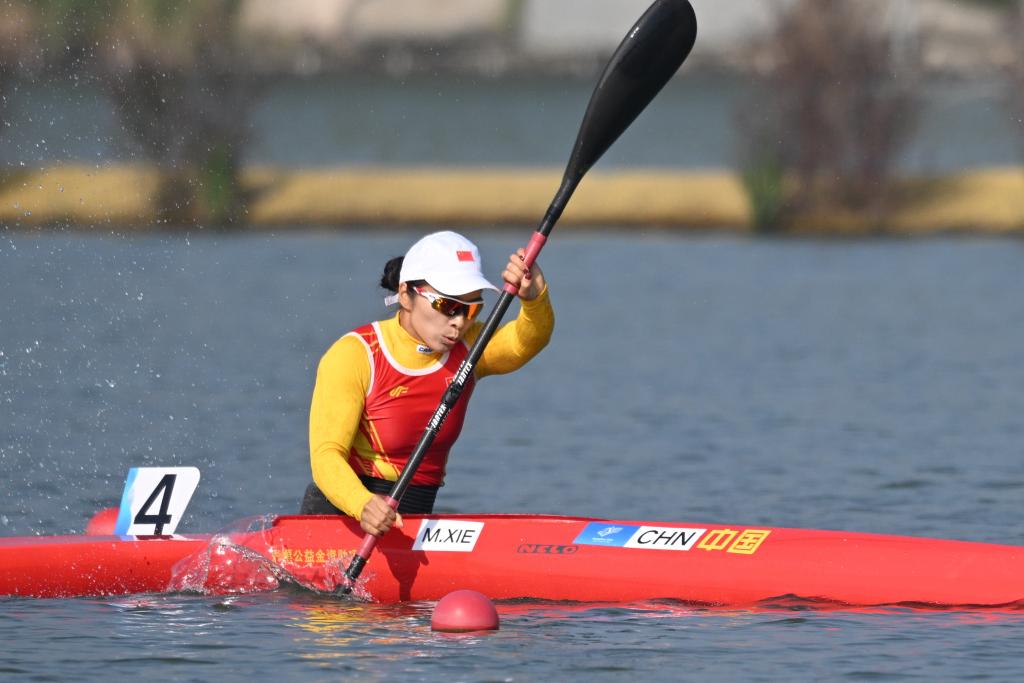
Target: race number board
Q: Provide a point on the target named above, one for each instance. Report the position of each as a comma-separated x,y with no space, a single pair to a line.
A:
155,499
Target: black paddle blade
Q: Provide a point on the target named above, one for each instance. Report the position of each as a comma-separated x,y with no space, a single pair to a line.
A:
649,55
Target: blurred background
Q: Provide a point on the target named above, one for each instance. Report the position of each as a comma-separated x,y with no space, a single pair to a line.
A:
197,199
818,116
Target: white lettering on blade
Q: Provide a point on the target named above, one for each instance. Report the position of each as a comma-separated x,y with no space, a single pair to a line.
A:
447,534
664,538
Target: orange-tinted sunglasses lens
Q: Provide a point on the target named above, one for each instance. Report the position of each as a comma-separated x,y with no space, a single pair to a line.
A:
452,307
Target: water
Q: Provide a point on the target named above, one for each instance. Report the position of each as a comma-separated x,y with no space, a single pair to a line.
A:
862,385
467,121
298,637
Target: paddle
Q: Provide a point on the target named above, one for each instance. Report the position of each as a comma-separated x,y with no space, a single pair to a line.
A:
643,63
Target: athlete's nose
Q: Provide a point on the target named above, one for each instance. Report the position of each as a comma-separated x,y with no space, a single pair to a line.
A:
458,321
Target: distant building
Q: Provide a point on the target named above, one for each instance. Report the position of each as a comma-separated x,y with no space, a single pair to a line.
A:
492,35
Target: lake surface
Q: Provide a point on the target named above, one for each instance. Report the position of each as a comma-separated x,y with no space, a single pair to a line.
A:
466,121
861,385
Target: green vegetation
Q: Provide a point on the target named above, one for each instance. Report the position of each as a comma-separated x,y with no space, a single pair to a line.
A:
832,114
173,72
763,181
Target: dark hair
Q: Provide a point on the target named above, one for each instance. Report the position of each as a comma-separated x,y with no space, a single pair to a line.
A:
392,271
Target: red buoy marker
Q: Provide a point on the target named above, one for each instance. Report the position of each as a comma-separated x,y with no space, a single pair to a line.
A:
464,610
102,523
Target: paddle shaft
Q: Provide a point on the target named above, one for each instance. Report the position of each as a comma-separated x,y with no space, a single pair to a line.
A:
648,56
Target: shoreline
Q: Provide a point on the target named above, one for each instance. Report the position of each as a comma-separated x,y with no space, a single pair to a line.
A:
975,201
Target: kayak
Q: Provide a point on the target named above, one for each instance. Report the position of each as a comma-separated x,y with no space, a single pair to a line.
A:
527,556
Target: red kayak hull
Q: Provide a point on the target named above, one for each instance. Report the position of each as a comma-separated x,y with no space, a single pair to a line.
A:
527,556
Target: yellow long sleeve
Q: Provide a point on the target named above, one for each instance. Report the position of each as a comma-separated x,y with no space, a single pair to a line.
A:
516,342
342,380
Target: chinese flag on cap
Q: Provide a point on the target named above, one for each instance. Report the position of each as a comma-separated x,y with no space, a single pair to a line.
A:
464,255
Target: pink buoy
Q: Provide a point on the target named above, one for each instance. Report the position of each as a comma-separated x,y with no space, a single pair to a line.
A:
102,523
464,610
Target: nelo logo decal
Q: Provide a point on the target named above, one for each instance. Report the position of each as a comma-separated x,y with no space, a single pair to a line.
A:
546,549
446,534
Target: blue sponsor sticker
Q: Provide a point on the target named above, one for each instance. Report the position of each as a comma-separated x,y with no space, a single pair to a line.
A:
606,534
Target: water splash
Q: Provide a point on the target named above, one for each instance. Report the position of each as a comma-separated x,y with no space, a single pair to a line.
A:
224,567
246,557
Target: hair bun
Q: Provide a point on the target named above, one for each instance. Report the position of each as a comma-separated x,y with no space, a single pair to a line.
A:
392,270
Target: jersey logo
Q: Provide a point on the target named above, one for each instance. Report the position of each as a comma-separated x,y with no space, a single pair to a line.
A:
398,391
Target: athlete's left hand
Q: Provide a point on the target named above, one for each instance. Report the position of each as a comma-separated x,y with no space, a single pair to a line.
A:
530,282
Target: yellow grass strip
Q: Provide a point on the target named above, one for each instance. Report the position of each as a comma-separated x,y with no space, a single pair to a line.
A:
981,201
496,196
78,194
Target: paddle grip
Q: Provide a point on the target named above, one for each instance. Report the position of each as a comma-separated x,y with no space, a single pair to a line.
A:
355,568
532,249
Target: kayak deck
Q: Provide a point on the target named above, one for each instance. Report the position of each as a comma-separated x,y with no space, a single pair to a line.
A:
529,556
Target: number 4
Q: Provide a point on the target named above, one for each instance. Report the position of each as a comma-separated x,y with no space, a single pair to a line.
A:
166,486
154,500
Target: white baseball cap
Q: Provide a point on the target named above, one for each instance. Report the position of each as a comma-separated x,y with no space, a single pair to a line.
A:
447,261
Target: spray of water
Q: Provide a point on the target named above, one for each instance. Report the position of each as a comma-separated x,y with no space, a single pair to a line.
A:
247,557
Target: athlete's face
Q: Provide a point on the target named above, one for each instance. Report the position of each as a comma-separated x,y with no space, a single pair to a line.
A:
434,328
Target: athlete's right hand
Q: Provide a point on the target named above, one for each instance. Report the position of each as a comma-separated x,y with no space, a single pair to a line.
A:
377,517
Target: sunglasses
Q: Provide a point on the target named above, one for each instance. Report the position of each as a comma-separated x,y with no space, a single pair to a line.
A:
451,307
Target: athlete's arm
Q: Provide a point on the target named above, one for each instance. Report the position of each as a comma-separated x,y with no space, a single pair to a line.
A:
515,343
342,380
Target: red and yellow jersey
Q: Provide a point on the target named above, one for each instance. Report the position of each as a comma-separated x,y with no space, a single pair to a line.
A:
356,424
398,406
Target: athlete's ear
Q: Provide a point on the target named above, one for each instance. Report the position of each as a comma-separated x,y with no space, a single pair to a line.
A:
405,296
